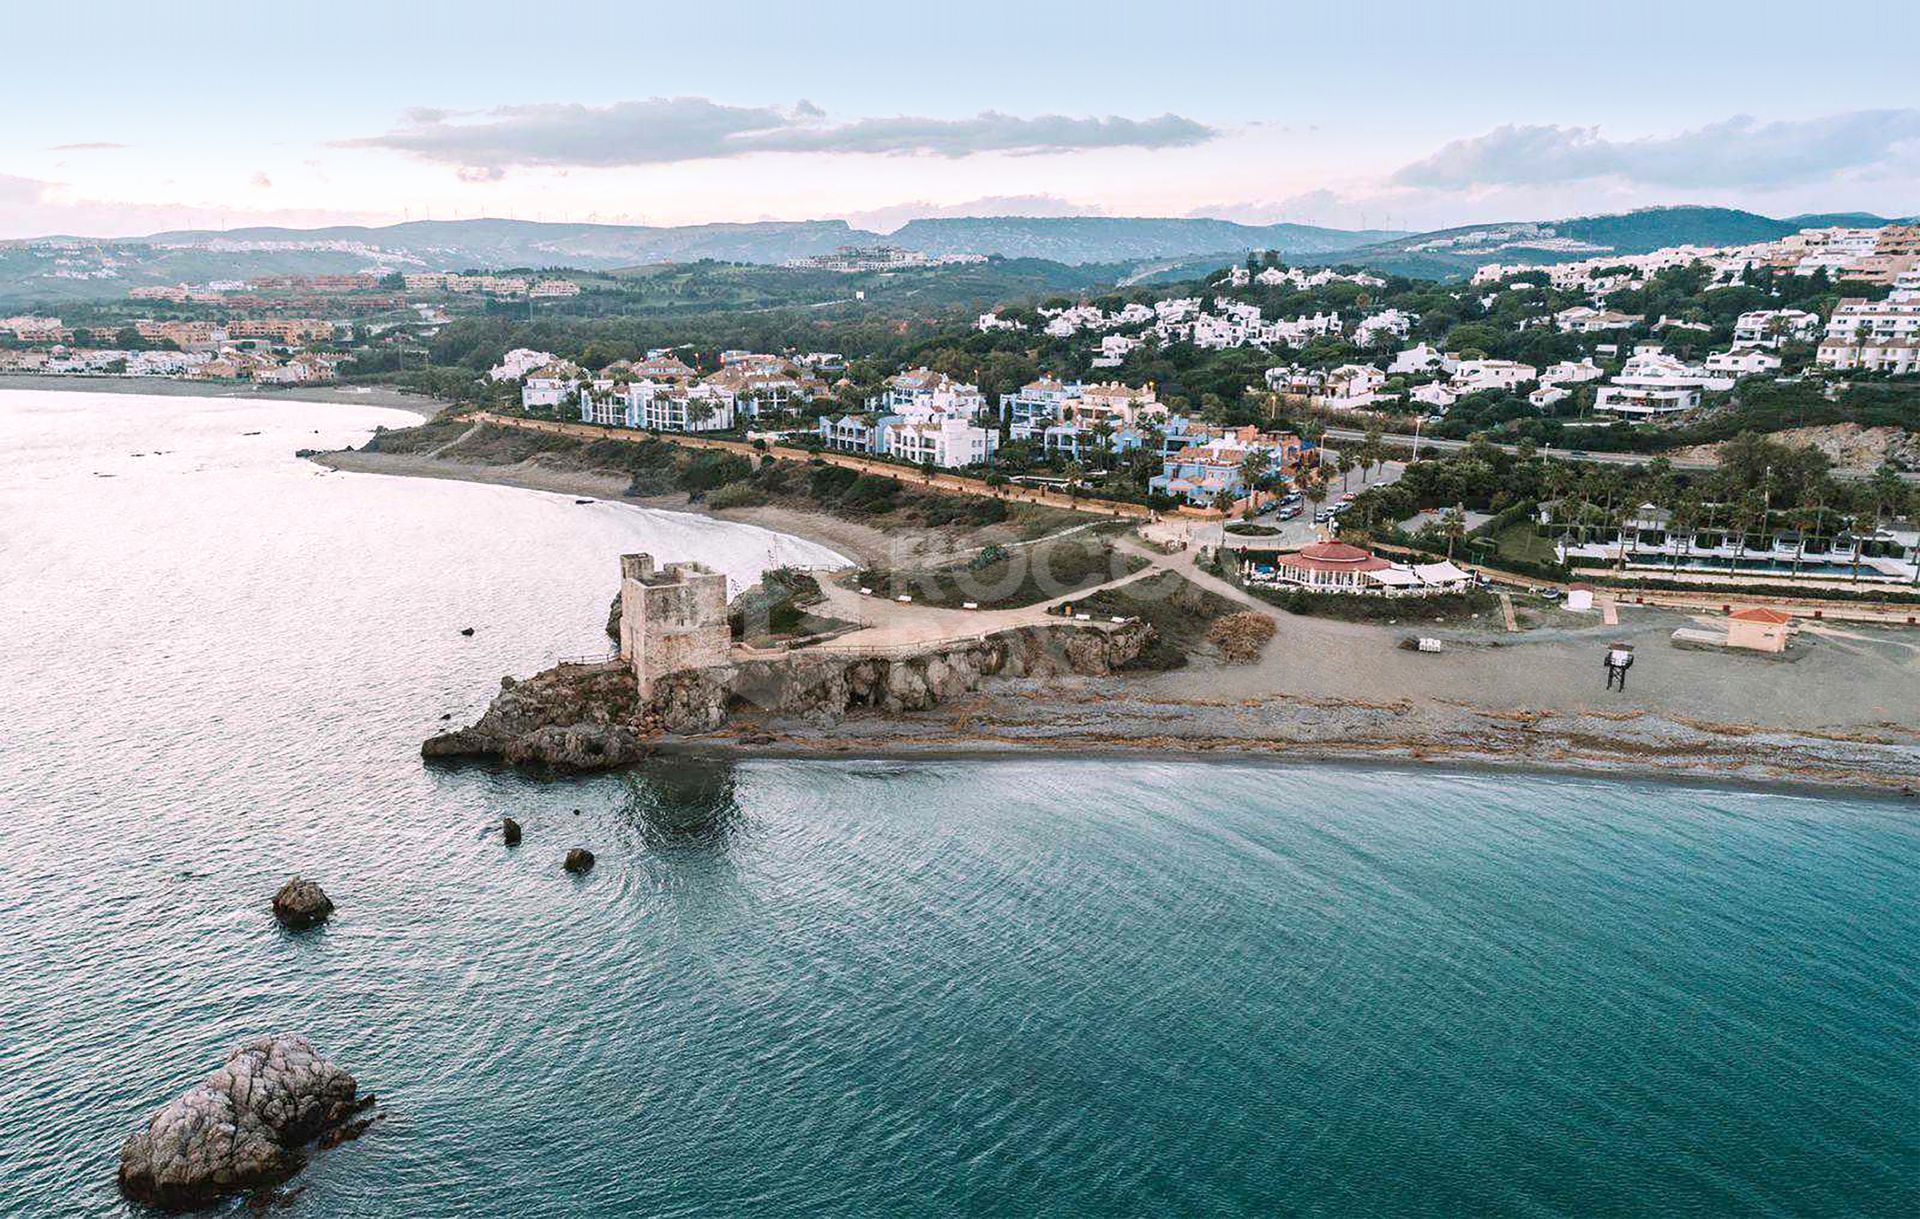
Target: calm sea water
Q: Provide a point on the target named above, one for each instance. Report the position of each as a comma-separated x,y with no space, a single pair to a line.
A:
849,988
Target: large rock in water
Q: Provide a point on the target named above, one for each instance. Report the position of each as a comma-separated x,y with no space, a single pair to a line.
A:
301,904
243,1128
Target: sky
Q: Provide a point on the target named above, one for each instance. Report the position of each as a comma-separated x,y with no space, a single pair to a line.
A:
1414,114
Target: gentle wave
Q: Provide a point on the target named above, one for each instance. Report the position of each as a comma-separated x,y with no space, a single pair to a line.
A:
946,988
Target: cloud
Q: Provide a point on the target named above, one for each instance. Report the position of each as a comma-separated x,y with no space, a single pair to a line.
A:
96,146
1740,152
260,181
32,207
664,130
886,219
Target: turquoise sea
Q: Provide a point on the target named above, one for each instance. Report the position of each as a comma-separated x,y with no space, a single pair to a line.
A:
849,988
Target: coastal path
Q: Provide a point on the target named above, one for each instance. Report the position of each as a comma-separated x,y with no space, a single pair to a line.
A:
956,483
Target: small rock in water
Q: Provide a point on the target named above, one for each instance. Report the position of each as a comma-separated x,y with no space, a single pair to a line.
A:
242,1128
510,831
466,630
579,861
301,904
447,716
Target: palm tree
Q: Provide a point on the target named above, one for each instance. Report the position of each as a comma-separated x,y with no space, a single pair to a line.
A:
1253,468
1685,519
1075,472
1373,449
1338,464
1453,524
1749,514
1315,491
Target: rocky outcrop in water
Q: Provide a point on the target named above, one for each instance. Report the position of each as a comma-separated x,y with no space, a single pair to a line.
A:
579,861
570,717
243,1128
301,904
585,717
510,832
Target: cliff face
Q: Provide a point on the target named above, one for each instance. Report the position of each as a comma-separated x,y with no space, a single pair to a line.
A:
585,717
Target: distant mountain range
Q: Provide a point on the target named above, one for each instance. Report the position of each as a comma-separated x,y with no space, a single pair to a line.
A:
1454,252
457,244
1081,239
1153,247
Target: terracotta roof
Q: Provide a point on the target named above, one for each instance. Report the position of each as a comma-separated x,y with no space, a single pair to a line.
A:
1332,556
1762,615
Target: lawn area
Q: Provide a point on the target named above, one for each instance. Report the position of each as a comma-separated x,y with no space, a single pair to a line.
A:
1522,541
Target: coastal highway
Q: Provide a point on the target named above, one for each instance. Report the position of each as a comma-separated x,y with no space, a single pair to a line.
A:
1617,459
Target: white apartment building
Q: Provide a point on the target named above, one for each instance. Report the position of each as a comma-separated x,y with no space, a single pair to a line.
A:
1474,376
990,322
1896,357
948,442
1352,386
1566,372
1873,335
518,363
1581,319
660,407
1771,327
1743,362
1388,323
549,387
1418,359
1114,349
1646,400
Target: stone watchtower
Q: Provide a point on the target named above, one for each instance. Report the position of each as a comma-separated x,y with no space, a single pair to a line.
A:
671,619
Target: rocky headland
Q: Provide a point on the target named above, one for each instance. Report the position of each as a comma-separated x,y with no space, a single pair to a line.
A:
590,717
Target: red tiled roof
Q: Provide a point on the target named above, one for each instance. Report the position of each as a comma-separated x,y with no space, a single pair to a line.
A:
1332,556
1762,615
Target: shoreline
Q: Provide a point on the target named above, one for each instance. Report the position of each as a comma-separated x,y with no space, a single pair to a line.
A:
352,395
1246,720
1110,718
858,543
1283,756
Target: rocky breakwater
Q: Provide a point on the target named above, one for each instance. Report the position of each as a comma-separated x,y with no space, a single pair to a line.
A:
586,717
244,1128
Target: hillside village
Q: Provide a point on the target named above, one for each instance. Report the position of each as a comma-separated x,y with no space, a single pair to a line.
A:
1213,397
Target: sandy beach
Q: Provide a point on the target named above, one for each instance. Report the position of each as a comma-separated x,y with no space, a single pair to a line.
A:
858,541
1842,710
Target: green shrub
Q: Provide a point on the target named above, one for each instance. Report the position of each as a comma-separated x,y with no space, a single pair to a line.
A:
736,495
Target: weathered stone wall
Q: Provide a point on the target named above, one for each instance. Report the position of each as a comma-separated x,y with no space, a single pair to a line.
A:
672,619
591,716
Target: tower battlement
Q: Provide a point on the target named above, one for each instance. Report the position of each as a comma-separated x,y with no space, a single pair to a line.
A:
671,618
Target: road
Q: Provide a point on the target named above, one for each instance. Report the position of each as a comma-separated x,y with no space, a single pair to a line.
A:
1614,459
